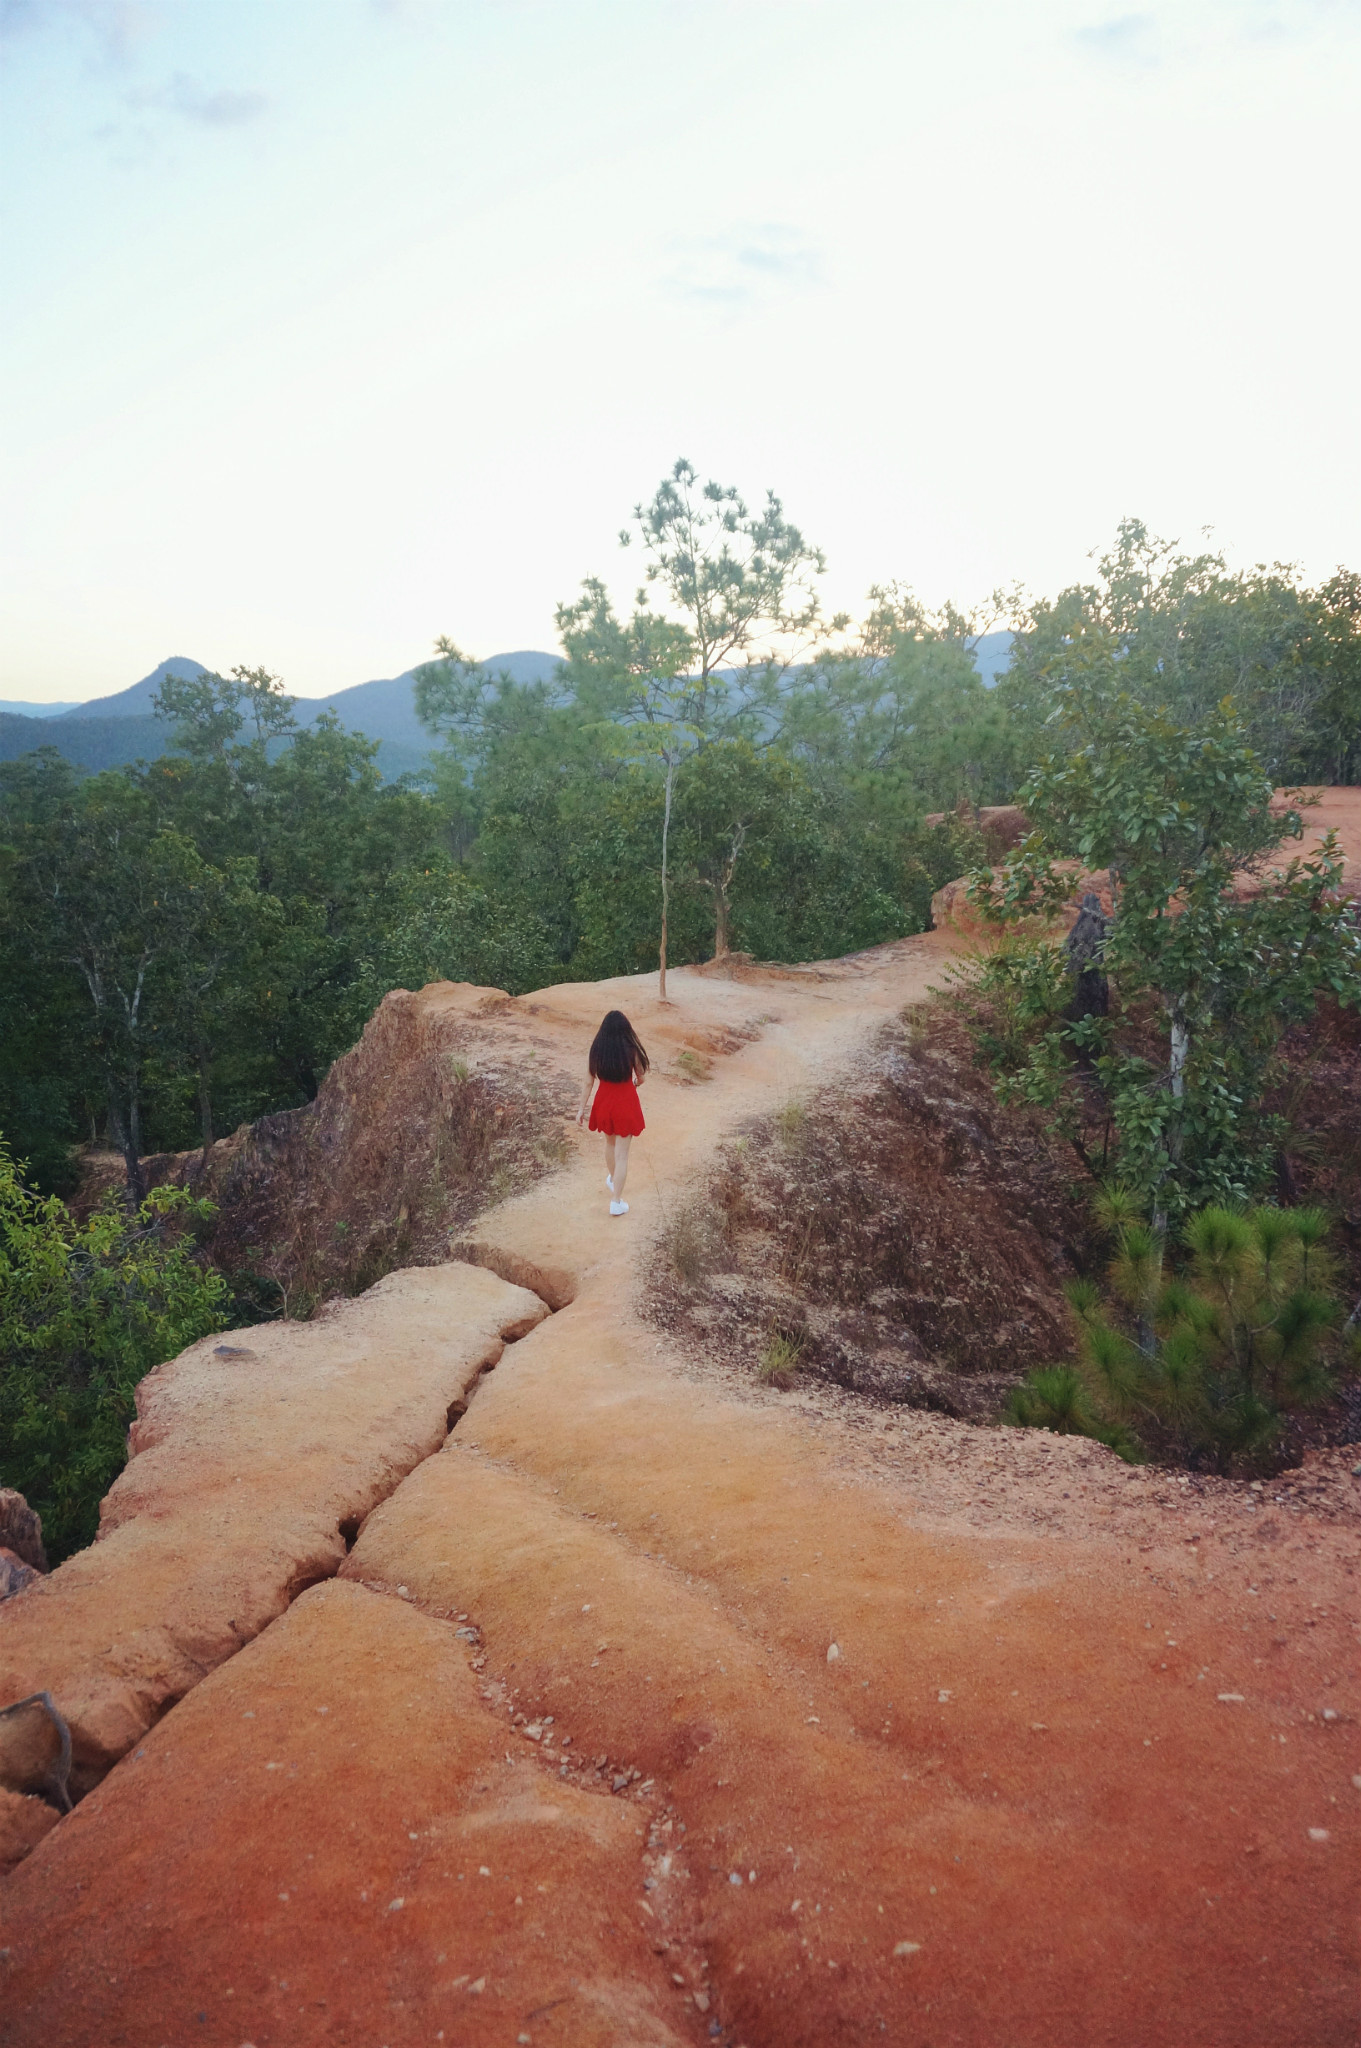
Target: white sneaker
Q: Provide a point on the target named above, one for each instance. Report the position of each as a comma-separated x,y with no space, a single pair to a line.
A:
609,1182
619,1208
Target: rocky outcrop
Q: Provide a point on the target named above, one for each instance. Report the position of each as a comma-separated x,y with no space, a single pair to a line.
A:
439,1106
21,1530
329,1842
1323,810
904,1235
1002,825
14,1574
253,1463
953,908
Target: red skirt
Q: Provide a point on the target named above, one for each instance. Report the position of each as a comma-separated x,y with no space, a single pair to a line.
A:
616,1110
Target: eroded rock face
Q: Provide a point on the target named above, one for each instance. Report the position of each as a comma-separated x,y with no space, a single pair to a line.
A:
24,1821
21,1530
14,1574
905,1233
377,1870
251,1464
434,1105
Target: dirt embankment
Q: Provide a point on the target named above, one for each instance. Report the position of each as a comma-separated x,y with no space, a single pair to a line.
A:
900,1234
649,1709
444,1107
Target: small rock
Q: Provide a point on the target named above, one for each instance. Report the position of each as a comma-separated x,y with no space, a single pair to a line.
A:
14,1574
734,1877
942,1696
1318,1834
479,1986
1356,1471
619,1781
21,1529
1330,1714
1234,1699
907,1948
834,1653
395,1907
702,2000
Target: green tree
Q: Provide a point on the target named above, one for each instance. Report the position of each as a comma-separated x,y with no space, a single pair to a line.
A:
1207,976
741,584
632,681
1333,750
1187,632
86,1310
1205,1364
901,718
146,925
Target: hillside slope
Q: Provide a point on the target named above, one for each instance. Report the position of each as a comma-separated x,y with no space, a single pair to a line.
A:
639,1706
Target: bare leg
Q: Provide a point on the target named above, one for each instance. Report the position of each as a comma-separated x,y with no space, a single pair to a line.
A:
609,1155
619,1150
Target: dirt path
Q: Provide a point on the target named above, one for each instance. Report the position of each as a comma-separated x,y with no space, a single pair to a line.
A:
768,1724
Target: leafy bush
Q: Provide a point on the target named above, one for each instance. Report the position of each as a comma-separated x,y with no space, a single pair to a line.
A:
85,1311
1205,1363
1205,976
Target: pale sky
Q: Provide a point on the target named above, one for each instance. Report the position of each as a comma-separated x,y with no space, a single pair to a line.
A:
331,325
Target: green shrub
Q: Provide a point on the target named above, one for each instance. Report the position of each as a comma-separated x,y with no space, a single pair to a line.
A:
85,1311
1205,1363
778,1364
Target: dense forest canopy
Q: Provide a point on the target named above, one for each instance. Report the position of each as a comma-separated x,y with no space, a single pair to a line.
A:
189,942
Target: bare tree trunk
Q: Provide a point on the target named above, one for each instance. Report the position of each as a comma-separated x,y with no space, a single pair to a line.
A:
205,1102
666,877
720,922
125,1132
721,886
1181,1046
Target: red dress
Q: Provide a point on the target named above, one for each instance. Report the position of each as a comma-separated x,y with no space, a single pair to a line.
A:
616,1110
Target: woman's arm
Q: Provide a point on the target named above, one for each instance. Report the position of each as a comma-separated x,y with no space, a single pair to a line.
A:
585,1098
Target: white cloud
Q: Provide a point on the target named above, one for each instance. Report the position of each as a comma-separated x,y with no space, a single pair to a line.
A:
213,107
749,264
1129,39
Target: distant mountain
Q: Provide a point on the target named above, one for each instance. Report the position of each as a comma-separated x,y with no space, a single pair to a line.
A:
993,654
135,702
88,742
114,731
386,710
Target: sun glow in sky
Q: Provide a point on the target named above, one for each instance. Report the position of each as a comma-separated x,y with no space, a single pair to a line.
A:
331,325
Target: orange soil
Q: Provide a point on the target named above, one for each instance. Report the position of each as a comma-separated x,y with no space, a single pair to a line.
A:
922,1734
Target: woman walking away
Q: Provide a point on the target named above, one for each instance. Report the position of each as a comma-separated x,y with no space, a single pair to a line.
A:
617,1064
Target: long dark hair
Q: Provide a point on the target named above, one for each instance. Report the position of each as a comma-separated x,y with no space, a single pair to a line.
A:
616,1050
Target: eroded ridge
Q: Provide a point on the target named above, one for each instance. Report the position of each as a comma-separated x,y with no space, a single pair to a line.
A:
252,1459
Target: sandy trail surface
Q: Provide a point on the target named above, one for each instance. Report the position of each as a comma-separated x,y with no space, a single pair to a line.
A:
649,1708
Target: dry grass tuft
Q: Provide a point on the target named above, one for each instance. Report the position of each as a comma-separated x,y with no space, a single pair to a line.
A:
779,1362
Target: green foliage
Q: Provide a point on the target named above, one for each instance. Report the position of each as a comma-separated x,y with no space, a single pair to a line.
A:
1171,1086
444,926
1186,633
1206,1361
86,1310
902,716
185,945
